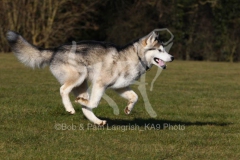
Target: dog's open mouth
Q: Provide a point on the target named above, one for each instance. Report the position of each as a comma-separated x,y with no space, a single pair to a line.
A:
160,63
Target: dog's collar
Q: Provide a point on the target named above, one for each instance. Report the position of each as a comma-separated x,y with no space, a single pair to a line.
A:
146,67
140,60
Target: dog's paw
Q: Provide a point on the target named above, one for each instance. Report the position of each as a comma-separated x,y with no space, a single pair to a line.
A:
127,111
71,111
82,101
103,123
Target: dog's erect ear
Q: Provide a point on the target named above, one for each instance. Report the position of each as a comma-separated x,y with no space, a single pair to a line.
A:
149,39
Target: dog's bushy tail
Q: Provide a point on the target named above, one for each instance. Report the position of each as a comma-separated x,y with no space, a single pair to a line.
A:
27,53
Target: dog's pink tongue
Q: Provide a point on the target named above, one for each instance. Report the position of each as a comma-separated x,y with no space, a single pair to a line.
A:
161,63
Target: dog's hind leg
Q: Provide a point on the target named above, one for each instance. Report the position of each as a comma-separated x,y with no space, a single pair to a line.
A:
97,92
67,87
130,95
91,116
64,91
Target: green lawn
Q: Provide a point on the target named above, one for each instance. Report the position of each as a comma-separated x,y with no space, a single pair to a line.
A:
199,101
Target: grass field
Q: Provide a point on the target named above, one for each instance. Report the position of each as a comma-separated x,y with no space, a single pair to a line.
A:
199,101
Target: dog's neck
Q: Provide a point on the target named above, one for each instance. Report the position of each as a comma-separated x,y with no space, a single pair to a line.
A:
141,60
142,63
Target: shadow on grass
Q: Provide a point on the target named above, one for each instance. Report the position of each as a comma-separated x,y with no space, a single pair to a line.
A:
156,122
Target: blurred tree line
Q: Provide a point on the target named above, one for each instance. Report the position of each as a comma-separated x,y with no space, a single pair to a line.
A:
203,29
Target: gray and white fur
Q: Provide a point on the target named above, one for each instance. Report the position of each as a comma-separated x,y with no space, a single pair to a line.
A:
103,64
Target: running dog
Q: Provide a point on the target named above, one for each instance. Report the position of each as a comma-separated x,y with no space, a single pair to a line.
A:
103,64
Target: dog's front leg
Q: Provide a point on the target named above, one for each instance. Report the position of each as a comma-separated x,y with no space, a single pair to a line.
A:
130,95
95,97
81,92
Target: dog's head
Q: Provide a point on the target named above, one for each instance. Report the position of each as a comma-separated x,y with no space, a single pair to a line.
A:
154,51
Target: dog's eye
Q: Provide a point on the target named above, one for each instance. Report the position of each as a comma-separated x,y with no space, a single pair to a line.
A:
151,49
160,50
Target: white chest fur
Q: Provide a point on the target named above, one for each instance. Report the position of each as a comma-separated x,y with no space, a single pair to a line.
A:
127,78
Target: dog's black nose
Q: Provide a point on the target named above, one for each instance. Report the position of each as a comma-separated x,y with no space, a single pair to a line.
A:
172,58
